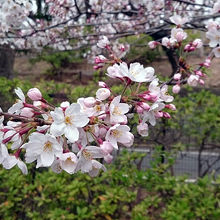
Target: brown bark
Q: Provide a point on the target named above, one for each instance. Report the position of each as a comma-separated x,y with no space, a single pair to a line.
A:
7,57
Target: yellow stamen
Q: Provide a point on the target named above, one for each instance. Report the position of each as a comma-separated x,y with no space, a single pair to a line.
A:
116,111
116,133
87,155
98,108
68,120
48,146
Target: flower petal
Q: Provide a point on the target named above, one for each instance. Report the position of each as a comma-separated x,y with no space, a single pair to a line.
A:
71,133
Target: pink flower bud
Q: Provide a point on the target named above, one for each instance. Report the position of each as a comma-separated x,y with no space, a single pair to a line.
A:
199,73
139,109
201,82
176,89
103,43
107,147
166,115
102,132
152,44
171,107
158,114
34,94
89,102
197,43
142,129
100,59
207,63
103,94
193,80
108,158
187,48
144,105
96,67
177,76
64,105
192,48
146,97
27,112
102,84
180,36
39,104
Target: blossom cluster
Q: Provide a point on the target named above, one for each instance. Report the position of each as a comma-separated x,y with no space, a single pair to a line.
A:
177,42
81,136
86,21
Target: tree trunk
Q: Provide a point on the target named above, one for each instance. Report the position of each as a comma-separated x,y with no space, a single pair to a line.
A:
7,57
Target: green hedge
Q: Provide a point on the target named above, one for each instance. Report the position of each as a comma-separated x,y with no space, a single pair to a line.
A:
123,192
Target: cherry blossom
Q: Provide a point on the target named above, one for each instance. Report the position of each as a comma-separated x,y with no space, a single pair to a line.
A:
120,133
34,94
83,135
178,20
103,94
137,72
217,52
118,111
67,122
43,148
86,156
16,108
68,162
142,129
11,161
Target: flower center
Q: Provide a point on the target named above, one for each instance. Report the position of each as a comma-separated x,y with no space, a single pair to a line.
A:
133,73
87,155
116,111
69,161
98,108
48,146
68,120
116,133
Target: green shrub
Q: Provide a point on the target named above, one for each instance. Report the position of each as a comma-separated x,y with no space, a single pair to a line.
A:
123,192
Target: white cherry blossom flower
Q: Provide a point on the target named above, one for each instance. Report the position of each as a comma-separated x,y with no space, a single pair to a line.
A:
216,7
178,20
11,161
16,108
68,162
150,115
118,111
216,51
15,138
114,71
3,152
96,167
178,34
164,94
104,42
137,72
86,156
119,133
214,36
193,80
103,94
43,148
142,129
67,122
